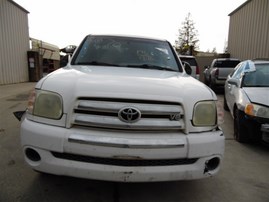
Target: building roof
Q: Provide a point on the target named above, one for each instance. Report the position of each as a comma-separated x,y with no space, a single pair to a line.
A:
17,5
239,7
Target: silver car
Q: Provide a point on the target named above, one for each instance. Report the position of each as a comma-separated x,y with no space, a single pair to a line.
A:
246,96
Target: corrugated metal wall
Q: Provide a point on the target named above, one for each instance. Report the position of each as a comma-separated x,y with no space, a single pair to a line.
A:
14,43
249,31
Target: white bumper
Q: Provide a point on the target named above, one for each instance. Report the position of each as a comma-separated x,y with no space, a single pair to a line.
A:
42,143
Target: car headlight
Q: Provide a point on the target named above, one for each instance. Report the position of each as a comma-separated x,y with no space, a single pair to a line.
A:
205,114
46,104
257,110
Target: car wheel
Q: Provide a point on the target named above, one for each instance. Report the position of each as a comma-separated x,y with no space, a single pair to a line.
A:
225,106
240,131
211,85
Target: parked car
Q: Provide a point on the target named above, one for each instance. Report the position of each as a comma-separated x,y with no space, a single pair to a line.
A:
247,97
216,74
123,109
193,63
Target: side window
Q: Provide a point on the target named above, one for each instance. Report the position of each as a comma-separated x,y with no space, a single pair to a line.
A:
238,71
232,73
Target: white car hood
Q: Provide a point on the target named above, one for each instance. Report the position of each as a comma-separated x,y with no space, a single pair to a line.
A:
259,95
126,83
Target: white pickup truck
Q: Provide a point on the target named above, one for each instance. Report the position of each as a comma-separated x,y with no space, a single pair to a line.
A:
123,109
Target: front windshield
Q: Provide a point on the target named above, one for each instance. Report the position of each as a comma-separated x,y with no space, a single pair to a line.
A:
126,52
258,78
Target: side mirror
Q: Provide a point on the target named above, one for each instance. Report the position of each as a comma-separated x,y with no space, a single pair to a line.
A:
69,49
187,67
64,60
233,82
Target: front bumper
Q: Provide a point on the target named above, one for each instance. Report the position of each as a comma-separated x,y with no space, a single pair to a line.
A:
265,132
257,128
70,152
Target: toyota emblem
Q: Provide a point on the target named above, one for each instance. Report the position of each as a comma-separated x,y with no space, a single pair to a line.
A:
129,114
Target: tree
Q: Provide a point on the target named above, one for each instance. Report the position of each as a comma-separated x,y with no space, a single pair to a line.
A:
214,50
187,41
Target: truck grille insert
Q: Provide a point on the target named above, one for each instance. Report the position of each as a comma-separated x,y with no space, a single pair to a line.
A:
119,114
124,162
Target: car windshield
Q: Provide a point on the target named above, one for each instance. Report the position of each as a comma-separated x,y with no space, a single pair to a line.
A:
226,63
126,52
258,78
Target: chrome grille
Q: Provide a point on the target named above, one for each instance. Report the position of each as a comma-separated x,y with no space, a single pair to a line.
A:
103,113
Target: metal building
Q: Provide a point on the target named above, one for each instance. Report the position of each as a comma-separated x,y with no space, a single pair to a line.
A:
14,43
249,30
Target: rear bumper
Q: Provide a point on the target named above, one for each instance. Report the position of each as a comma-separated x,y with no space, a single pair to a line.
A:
50,149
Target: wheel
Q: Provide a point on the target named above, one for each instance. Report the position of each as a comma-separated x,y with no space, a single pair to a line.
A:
210,84
225,106
240,131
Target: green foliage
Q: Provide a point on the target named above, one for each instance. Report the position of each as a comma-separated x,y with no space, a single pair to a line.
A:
187,41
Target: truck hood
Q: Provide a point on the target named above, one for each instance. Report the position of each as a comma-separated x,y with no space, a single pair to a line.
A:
259,95
118,82
126,83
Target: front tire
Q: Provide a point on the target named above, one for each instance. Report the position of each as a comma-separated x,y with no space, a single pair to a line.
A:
240,131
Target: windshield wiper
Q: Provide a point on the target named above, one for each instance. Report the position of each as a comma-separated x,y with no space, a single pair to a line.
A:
97,63
148,66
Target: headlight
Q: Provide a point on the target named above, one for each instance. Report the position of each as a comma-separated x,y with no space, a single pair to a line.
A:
257,110
46,104
205,114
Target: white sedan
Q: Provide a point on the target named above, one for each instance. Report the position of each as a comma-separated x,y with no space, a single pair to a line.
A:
246,96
